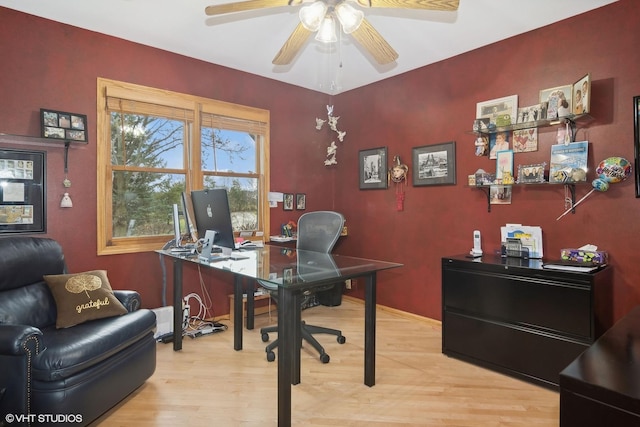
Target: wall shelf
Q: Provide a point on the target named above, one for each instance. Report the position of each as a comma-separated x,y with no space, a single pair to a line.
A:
571,119
36,140
571,186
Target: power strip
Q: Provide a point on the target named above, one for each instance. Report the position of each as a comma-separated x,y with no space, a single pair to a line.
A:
186,313
208,330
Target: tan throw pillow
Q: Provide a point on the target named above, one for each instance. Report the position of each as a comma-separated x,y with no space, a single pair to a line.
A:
82,297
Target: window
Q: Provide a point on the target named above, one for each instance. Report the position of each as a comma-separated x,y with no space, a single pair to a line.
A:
154,144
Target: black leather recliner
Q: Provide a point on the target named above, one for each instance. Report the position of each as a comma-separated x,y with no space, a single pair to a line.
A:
78,372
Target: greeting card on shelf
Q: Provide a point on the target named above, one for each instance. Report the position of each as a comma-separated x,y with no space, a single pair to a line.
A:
569,162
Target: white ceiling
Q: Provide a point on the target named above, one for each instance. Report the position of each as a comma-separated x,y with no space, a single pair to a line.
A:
248,41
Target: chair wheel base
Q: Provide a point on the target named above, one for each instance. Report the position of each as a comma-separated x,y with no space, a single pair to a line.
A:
324,358
271,356
265,337
341,339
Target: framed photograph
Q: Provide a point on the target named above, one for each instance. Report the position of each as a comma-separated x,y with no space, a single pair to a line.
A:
498,141
532,113
636,141
531,174
581,95
23,191
500,194
373,168
301,201
498,108
504,166
287,275
287,204
63,125
434,164
558,101
525,140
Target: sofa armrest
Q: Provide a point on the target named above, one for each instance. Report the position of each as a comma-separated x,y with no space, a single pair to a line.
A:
17,340
130,299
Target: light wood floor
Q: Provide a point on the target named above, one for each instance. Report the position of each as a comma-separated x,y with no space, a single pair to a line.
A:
210,384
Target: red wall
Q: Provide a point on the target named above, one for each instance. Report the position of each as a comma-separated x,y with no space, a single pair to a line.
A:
46,64
55,66
437,103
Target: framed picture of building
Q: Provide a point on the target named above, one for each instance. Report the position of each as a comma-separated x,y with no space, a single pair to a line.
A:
434,164
373,168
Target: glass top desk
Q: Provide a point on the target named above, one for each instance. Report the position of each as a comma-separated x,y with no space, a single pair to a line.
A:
293,271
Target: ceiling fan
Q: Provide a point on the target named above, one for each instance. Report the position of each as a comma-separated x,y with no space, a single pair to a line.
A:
322,16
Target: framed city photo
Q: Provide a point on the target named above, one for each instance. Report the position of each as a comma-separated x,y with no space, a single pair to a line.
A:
498,108
63,125
373,168
558,101
582,95
301,201
434,164
287,204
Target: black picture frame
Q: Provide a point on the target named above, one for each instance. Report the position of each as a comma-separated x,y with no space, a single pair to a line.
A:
301,201
22,191
373,168
63,125
434,164
636,141
287,202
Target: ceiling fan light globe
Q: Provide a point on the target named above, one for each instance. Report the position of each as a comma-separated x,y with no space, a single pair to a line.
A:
311,16
327,31
350,18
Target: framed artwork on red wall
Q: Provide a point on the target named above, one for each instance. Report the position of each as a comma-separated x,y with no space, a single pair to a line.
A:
23,191
434,164
373,168
63,125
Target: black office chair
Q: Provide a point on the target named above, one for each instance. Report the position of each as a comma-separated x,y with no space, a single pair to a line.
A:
317,231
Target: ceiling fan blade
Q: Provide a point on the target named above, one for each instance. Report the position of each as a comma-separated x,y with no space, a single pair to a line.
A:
377,46
242,6
292,46
446,5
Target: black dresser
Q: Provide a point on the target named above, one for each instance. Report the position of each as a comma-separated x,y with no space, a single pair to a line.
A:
602,386
513,316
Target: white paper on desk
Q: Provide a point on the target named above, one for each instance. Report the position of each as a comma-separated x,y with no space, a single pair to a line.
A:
531,237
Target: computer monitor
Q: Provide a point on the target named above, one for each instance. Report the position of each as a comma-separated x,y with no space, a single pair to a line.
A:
177,236
211,212
187,210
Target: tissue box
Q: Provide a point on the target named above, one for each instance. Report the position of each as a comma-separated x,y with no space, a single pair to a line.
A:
581,255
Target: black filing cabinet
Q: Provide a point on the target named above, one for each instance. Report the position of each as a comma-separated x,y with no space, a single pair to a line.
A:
515,317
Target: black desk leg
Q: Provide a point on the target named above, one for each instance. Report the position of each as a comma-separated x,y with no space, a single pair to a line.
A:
237,312
297,339
286,347
177,304
250,304
370,330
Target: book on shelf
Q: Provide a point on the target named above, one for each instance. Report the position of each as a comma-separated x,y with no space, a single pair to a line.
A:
569,162
580,267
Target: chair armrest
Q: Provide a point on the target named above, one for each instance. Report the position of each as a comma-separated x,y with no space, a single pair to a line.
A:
17,340
131,300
